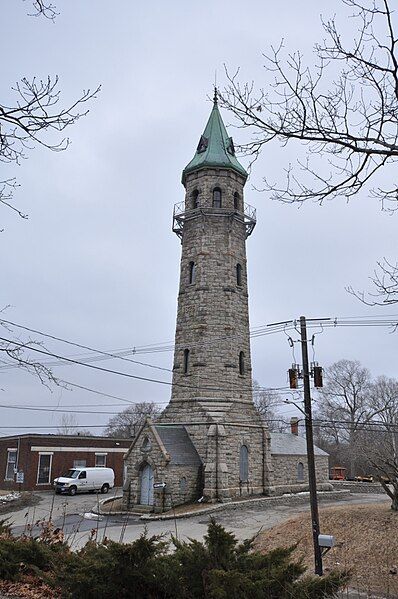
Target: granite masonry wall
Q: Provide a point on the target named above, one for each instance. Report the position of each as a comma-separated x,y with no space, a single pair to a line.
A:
286,472
183,483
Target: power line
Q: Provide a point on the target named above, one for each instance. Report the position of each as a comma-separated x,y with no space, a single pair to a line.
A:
34,409
98,351
121,354
132,376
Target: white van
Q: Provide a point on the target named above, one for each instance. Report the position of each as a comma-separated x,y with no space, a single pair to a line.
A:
79,480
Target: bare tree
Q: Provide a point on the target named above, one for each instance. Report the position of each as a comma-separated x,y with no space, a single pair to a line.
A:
18,352
67,425
127,423
345,407
45,9
382,452
344,110
267,403
30,120
34,117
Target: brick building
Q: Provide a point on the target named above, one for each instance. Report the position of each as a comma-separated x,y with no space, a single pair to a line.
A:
211,416
41,458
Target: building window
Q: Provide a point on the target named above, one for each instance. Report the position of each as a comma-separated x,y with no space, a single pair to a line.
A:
100,460
300,472
183,485
244,464
236,200
186,361
79,463
146,446
192,272
216,197
239,274
11,464
44,469
195,199
241,363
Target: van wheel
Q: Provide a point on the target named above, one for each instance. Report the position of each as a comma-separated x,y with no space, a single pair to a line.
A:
105,488
72,490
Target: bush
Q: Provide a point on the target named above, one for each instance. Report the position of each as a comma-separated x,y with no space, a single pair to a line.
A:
217,568
25,555
114,570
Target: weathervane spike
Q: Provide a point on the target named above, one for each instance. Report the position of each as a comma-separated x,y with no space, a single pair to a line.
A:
215,97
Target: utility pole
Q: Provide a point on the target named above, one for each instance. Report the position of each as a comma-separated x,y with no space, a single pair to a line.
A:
310,448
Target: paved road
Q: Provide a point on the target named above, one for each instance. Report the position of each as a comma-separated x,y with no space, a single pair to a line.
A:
67,513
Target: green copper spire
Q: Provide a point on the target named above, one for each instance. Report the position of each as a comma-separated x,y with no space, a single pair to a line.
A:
215,148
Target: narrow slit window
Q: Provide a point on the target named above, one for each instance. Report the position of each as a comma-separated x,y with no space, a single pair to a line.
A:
195,199
241,363
192,273
186,361
244,464
300,472
239,275
236,200
216,197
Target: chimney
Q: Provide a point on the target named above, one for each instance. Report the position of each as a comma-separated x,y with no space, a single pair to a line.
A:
294,425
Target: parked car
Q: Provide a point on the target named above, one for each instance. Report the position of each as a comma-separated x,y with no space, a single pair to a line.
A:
367,478
80,480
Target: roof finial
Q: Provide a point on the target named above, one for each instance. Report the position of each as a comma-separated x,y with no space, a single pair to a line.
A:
215,97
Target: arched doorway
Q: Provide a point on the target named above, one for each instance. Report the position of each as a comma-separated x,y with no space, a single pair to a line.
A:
146,497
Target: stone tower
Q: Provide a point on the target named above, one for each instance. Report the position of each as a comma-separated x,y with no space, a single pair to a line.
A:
212,353
210,441
212,374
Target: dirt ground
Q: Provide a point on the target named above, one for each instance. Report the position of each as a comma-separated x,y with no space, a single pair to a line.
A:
366,538
27,498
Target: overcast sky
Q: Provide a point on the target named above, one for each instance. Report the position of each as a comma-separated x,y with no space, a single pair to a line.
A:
97,262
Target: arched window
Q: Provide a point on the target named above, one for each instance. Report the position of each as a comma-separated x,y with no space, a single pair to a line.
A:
216,197
195,199
239,274
192,272
236,200
241,363
146,446
186,360
244,464
300,472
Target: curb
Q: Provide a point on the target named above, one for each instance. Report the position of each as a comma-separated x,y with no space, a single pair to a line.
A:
290,498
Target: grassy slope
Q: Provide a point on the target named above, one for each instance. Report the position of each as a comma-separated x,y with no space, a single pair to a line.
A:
366,539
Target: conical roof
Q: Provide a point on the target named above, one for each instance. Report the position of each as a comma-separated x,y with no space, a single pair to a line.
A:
215,148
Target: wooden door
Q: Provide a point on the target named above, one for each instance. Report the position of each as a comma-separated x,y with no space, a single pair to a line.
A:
147,485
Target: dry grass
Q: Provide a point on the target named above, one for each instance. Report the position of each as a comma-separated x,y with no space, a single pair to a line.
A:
113,505
366,539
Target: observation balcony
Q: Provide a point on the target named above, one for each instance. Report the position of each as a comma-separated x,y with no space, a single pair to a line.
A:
180,215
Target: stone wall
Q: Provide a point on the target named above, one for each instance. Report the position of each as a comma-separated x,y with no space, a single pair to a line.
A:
357,487
286,470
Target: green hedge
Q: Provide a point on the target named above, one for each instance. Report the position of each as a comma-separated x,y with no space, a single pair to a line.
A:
151,568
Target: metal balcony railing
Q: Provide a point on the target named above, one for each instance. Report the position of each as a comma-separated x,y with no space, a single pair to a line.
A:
180,215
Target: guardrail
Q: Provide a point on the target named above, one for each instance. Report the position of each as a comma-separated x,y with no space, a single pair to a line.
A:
180,214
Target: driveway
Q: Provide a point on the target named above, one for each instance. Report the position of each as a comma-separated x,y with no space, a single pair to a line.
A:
244,521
